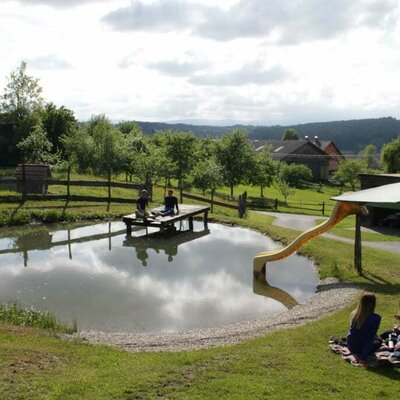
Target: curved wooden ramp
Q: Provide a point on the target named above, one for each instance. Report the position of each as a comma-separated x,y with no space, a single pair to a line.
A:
340,211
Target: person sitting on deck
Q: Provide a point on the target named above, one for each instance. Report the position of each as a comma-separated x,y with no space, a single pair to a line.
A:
363,328
141,203
170,203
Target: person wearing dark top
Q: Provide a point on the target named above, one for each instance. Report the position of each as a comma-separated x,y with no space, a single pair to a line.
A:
141,203
363,328
170,203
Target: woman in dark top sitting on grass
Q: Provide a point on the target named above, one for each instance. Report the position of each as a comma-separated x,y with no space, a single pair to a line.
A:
363,328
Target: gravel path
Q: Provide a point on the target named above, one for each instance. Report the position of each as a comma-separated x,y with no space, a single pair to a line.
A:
331,296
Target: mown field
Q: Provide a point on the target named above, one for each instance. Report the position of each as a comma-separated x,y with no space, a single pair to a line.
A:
292,363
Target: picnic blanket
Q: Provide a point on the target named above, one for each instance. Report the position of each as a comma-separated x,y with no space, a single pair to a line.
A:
381,357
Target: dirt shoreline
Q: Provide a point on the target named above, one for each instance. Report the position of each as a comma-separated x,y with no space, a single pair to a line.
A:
331,296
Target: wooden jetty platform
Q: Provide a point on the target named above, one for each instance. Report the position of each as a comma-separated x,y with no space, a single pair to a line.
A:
186,211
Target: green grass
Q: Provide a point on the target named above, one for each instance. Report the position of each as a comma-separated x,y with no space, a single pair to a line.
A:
291,363
346,229
13,313
294,363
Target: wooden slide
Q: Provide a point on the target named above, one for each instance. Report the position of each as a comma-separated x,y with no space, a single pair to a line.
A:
340,211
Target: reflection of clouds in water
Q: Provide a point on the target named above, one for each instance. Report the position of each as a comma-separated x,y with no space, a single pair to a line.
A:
242,237
208,283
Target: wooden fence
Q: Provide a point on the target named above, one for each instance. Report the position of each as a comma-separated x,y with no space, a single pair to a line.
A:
240,205
23,183
263,203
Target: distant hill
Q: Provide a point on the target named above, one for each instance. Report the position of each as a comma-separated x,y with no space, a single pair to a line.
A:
350,136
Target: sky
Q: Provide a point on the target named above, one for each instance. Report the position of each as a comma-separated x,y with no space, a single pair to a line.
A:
261,62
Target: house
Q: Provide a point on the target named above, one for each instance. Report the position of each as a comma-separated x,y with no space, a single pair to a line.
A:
331,149
298,152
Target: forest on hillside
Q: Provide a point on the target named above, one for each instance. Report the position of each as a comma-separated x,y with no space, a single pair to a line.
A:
350,136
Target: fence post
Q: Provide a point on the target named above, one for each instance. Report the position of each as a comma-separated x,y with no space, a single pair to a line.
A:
242,204
357,246
276,204
212,201
109,186
323,208
180,194
68,181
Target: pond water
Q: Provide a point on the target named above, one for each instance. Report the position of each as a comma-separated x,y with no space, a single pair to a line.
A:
111,282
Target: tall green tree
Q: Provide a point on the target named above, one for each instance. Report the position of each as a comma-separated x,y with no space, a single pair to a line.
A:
368,156
36,148
290,134
207,175
236,157
348,172
181,151
98,145
21,102
264,171
58,122
390,156
22,94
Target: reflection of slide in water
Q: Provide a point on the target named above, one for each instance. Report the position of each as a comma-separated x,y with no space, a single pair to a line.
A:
340,211
262,288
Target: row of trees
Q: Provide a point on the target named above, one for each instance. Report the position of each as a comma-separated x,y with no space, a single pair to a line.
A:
43,132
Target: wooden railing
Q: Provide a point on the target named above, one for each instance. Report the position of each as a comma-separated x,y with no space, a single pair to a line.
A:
240,205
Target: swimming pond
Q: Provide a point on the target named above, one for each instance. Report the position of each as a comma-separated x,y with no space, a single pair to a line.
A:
109,281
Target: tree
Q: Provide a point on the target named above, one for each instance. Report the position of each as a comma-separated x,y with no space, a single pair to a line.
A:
236,158
21,102
22,94
264,171
368,157
290,134
99,146
181,151
348,172
207,175
128,126
284,189
390,156
58,122
36,148
295,174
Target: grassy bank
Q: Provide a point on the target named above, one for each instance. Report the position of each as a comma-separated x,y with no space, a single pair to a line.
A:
293,363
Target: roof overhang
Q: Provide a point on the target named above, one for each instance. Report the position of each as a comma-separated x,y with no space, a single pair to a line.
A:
386,196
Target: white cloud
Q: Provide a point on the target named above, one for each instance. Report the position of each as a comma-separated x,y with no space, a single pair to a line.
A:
253,61
59,3
282,22
252,73
50,61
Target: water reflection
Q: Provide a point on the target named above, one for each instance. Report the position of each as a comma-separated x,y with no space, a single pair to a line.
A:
192,279
168,242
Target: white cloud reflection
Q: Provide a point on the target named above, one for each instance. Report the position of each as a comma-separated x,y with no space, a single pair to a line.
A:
204,286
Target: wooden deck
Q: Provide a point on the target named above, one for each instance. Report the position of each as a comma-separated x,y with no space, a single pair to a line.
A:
186,211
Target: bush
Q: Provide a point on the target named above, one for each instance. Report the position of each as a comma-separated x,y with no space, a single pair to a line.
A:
295,174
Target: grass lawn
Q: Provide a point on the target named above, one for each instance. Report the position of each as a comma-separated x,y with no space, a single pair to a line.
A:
292,363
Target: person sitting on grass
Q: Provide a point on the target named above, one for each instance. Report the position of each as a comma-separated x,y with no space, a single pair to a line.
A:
170,203
141,203
363,328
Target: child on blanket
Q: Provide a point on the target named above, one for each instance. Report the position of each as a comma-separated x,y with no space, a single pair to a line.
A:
363,328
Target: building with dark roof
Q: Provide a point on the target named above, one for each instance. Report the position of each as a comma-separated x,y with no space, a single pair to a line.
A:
298,152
